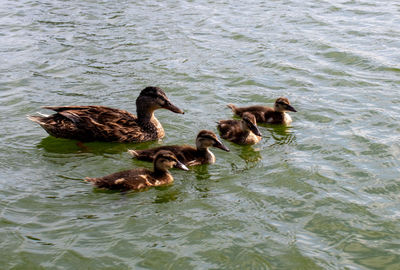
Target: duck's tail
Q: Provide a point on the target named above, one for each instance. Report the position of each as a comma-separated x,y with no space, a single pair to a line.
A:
91,180
232,107
133,153
37,118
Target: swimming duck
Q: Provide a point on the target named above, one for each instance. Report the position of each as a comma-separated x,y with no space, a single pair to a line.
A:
187,154
141,178
263,114
99,123
242,131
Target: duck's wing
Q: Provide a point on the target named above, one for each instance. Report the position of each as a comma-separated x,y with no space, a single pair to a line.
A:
125,180
228,128
184,153
260,112
89,123
99,114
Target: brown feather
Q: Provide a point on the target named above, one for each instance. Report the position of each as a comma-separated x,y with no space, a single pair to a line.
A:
232,130
265,114
184,153
140,178
99,123
188,155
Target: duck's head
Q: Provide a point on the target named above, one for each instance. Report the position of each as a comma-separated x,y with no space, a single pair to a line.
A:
207,138
249,123
165,160
282,104
154,98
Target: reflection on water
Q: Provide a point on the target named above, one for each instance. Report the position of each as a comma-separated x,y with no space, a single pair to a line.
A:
281,134
250,154
169,195
201,172
66,146
60,146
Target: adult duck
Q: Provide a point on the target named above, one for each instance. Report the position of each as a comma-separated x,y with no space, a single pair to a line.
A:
100,123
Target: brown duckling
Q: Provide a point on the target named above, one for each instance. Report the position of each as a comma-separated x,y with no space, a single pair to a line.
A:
243,131
187,154
99,123
263,114
141,178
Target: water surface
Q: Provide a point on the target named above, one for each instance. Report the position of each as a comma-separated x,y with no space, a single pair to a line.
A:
321,194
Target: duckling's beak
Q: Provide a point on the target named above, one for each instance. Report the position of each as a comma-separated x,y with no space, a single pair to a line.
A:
254,129
180,165
219,145
290,108
169,106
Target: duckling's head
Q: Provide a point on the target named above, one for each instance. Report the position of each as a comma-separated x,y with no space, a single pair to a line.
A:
153,98
249,123
207,138
165,160
282,104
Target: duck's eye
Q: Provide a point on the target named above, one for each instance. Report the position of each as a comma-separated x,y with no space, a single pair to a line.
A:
161,100
248,121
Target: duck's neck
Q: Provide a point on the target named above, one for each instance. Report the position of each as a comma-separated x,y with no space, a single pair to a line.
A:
159,172
287,119
147,120
206,153
246,133
282,117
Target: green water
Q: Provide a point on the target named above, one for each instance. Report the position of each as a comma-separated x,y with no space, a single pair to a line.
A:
321,194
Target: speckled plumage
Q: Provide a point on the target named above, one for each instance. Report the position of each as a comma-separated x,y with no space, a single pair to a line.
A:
100,123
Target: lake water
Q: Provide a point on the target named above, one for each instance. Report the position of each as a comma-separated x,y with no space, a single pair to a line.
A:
321,194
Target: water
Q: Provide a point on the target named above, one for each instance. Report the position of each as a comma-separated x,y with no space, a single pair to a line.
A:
321,194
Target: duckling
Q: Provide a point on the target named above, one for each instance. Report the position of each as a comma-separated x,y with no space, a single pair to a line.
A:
141,178
188,155
243,131
99,123
263,114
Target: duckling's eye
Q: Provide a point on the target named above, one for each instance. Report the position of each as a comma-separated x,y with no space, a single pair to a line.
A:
170,159
281,103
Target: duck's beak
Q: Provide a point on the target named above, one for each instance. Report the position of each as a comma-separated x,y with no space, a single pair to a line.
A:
219,145
169,106
254,129
290,108
180,165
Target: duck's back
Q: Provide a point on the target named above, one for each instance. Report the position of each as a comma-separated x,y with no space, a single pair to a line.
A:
186,154
90,123
231,130
131,179
262,113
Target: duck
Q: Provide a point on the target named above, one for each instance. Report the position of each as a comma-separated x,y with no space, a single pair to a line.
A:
263,114
141,178
244,131
188,155
100,123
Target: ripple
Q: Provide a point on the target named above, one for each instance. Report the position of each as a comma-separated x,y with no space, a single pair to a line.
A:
320,194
